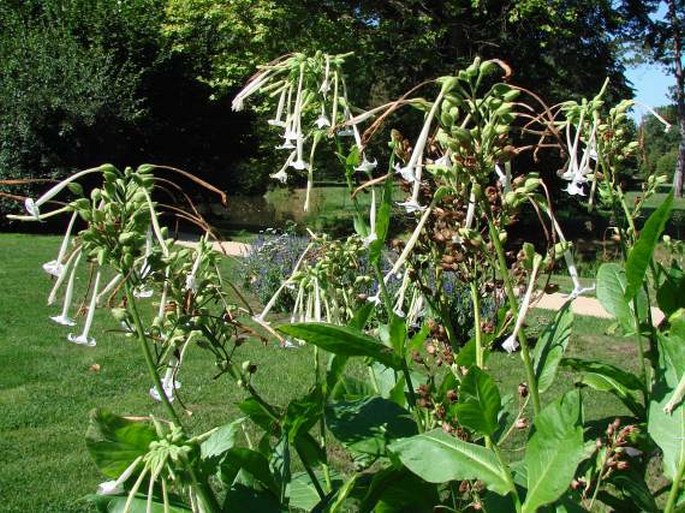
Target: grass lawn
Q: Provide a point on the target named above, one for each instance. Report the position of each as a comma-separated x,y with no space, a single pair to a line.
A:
47,385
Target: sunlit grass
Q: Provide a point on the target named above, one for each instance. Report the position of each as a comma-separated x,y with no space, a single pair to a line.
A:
48,386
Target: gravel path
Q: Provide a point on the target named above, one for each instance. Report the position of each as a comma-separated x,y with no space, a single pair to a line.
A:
585,306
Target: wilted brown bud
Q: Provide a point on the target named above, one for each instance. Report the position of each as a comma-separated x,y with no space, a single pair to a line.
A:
523,390
452,395
521,423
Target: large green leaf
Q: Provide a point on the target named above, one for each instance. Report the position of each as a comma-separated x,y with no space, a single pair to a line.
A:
668,429
551,346
302,493
114,442
611,293
671,292
397,491
553,451
368,425
609,378
438,457
242,459
641,253
382,223
139,504
221,440
479,402
342,340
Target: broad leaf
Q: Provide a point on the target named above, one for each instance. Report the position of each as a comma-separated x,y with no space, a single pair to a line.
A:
611,293
246,498
139,504
302,493
242,459
257,413
382,223
114,442
668,429
671,293
438,457
608,378
479,402
553,451
398,490
342,340
551,346
641,253
368,425
221,440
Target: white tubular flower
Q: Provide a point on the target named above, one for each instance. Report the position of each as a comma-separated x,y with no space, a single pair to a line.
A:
281,176
411,206
287,145
253,86
191,278
345,132
169,384
575,188
56,267
376,298
366,165
114,283
278,121
511,344
406,172
325,84
372,236
322,121
33,206
83,338
64,318
504,177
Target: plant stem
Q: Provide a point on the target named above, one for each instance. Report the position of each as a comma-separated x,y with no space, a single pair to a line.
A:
675,487
476,321
513,302
149,361
507,473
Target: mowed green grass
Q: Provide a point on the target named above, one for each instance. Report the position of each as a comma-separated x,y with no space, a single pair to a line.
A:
47,385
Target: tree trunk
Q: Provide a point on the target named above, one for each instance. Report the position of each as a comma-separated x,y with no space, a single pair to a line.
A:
680,96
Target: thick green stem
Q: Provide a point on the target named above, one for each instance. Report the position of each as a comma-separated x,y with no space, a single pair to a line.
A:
149,360
476,321
675,487
511,296
507,474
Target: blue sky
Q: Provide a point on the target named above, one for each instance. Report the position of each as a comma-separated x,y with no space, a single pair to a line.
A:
651,84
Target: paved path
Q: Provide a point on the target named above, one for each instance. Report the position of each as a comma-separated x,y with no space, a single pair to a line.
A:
584,306
227,247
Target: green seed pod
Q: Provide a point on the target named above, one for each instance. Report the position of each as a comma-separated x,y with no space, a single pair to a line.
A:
127,238
511,95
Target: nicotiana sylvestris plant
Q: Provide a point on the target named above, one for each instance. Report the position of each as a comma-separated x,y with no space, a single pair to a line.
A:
429,429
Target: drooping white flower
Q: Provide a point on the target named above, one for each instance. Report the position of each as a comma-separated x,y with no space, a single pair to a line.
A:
281,176
406,172
83,338
278,121
510,344
366,166
411,206
575,188
169,383
56,267
63,318
376,298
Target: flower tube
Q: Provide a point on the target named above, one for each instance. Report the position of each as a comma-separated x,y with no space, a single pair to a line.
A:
83,338
169,383
58,284
64,318
56,267
33,207
511,344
